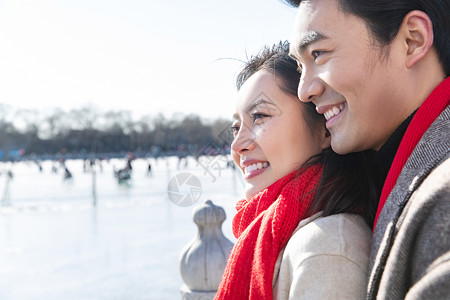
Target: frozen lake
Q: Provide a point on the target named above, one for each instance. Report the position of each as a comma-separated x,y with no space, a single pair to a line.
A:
55,244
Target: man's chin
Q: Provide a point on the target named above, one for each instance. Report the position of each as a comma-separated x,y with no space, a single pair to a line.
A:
339,146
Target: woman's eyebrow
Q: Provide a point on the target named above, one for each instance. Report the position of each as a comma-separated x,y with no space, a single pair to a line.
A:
257,103
254,104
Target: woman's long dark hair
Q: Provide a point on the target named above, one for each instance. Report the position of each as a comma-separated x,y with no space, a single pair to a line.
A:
349,183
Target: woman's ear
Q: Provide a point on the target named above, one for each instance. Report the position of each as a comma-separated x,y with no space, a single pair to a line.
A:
417,32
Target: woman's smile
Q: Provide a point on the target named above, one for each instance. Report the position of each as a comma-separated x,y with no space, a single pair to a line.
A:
255,169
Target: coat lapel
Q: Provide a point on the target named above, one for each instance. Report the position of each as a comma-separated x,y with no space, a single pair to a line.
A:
431,149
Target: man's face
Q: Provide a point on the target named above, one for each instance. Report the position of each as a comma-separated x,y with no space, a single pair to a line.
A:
356,84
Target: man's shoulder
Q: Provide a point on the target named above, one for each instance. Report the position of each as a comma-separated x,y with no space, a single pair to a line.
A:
429,207
416,247
425,169
432,150
431,196
433,146
437,182
412,235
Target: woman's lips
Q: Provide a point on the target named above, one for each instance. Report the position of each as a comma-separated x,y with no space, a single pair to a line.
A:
255,169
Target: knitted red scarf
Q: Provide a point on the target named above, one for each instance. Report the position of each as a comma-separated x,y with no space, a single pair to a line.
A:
430,109
263,226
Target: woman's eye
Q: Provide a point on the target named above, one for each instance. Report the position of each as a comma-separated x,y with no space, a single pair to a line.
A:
234,129
258,117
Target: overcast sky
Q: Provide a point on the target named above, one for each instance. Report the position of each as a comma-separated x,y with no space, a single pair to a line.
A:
146,56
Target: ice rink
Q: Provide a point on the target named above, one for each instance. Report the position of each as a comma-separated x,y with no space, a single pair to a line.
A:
56,244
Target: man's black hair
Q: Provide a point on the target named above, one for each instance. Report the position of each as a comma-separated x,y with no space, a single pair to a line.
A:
384,18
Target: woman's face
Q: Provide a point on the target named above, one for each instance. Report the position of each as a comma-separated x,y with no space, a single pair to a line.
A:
271,136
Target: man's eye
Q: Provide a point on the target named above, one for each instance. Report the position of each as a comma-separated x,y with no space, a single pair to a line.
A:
316,53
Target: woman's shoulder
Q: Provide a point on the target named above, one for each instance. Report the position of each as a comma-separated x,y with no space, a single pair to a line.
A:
342,234
326,258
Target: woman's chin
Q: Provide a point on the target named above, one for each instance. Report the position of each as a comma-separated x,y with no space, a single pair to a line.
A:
251,190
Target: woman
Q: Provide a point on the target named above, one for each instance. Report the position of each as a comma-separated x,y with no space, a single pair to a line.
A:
302,228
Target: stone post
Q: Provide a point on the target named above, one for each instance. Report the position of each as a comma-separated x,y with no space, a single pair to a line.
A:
203,260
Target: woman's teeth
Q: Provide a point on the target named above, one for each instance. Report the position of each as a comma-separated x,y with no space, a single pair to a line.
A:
256,166
335,110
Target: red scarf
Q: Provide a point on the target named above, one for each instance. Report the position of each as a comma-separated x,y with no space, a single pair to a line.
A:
263,226
431,108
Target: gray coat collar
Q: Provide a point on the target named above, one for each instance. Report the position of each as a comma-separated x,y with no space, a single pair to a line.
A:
432,149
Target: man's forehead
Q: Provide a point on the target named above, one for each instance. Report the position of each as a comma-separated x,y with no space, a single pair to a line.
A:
302,25
315,20
301,42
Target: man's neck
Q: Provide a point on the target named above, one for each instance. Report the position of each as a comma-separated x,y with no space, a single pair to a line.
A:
386,154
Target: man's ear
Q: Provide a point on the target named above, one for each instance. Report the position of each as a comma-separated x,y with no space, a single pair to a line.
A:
326,138
417,30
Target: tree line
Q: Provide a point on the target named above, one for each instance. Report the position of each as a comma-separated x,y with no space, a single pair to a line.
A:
87,131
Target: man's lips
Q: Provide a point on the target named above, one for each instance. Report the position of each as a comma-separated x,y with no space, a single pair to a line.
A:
330,111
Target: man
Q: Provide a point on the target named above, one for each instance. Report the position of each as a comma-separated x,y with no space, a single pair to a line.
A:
378,71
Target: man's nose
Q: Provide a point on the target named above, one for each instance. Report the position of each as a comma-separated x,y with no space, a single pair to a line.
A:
309,87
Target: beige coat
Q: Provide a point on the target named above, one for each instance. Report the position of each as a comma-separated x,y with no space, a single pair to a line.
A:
326,258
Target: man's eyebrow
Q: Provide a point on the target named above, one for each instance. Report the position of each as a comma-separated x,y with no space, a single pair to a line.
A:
308,39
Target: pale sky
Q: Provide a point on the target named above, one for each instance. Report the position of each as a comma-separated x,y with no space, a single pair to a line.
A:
146,56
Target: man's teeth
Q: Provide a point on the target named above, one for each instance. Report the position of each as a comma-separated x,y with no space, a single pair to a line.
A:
256,166
333,111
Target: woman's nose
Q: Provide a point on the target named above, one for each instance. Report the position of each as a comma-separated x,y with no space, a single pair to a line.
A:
243,141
